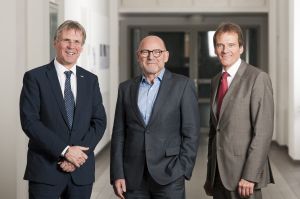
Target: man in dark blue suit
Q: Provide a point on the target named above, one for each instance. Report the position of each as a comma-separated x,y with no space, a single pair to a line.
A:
62,113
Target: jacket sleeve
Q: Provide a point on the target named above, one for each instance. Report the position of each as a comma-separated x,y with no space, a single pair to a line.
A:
262,119
190,129
117,141
31,122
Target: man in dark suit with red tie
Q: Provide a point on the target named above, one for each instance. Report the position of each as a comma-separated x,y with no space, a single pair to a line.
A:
62,113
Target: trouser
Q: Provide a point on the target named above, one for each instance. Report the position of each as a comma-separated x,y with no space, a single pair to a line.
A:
150,189
65,189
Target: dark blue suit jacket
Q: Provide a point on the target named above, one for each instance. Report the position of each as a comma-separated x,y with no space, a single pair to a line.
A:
44,120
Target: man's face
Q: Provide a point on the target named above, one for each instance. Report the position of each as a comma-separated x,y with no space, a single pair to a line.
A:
68,47
154,62
227,48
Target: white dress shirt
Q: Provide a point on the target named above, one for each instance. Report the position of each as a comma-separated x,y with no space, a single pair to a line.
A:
232,71
60,71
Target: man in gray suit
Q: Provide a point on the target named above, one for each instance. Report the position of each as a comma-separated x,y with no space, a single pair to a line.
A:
156,131
241,122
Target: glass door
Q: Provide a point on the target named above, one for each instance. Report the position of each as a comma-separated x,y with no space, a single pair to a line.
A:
207,67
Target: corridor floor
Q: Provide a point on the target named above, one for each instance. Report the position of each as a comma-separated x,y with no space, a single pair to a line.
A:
286,173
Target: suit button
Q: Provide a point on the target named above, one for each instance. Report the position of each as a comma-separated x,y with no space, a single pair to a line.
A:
147,131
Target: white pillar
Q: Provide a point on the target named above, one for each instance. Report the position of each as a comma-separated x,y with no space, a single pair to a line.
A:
294,79
21,65
273,54
8,105
114,58
13,64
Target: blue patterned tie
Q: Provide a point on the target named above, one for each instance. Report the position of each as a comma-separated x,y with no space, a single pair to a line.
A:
69,98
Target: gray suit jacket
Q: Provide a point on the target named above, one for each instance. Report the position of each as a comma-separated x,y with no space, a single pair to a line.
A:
239,141
167,145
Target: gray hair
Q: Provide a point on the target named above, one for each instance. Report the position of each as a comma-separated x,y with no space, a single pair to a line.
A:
70,25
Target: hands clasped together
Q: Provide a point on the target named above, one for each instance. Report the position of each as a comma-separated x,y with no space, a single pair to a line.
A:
74,158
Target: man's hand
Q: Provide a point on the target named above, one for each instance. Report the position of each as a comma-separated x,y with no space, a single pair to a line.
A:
245,188
76,155
208,189
120,188
67,166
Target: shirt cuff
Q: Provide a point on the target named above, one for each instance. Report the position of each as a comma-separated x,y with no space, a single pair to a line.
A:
63,153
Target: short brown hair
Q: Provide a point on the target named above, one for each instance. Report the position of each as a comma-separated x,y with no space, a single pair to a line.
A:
70,25
230,27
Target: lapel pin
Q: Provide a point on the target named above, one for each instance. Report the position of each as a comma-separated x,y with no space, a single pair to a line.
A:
81,76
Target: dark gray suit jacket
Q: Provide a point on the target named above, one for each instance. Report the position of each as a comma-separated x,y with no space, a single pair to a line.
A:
44,120
168,144
239,141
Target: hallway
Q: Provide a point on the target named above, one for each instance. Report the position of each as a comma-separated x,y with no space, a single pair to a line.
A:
286,173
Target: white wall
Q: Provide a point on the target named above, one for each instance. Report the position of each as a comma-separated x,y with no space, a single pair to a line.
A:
25,40
8,107
294,80
193,6
285,73
13,64
278,45
114,58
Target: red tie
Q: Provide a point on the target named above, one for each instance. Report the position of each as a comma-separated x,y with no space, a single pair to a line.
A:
222,91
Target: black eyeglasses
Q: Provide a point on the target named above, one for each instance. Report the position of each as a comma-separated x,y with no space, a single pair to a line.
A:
156,52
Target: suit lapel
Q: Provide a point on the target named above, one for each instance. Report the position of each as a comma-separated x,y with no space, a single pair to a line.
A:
162,95
81,88
215,87
232,89
54,82
134,90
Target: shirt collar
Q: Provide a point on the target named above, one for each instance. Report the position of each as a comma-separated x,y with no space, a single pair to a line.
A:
234,68
61,69
159,77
